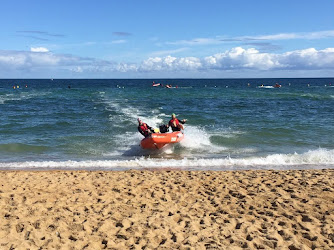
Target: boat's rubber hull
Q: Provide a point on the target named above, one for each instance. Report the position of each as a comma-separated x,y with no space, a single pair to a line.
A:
157,141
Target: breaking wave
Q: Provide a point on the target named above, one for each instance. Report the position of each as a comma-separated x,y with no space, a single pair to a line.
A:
320,158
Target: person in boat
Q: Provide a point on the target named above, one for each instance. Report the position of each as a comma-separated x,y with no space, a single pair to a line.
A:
144,129
176,124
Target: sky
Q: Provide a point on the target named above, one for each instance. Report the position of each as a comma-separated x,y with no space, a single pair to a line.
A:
166,39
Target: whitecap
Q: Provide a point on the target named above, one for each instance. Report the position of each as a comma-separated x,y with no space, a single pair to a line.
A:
319,158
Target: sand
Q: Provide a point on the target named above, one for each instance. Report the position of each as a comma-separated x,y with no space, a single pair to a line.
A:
167,209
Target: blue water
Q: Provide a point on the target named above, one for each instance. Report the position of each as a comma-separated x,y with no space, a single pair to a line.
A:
232,123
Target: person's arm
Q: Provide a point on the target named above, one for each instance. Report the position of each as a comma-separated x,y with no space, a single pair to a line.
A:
183,121
150,128
140,131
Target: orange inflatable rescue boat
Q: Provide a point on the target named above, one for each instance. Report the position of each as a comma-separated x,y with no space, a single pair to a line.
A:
157,140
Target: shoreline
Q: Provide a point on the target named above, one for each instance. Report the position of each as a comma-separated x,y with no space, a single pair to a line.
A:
167,208
167,169
296,167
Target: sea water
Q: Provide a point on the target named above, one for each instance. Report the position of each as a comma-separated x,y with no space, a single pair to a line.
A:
231,123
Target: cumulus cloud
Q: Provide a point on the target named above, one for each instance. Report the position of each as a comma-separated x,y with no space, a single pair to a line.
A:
39,49
170,63
235,59
239,58
309,59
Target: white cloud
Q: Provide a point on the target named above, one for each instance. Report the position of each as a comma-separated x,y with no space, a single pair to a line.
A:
272,37
118,41
309,59
289,36
170,63
77,69
168,52
25,60
39,49
238,58
196,41
233,60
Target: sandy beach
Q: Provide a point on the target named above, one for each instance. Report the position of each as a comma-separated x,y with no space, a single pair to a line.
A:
167,209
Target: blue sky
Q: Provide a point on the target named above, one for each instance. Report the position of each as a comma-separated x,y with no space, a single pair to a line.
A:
170,39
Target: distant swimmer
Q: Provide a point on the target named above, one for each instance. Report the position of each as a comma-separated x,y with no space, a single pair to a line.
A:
144,129
277,85
176,124
69,86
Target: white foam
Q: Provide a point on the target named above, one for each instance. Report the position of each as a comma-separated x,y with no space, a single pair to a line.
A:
311,159
125,112
309,95
128,142
9,97
198,138
21,96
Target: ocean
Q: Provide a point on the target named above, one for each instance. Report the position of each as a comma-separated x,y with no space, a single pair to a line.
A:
233,124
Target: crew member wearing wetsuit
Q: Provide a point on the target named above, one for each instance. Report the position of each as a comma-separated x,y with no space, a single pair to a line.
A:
176,124
144,129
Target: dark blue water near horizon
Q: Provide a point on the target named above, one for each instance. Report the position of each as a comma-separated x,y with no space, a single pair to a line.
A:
232,123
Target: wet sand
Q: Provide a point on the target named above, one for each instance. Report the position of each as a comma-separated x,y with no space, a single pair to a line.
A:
167,209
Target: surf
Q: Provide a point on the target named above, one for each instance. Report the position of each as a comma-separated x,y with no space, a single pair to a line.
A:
320,158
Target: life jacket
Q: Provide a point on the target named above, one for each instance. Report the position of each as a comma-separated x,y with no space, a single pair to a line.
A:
144,128
174,122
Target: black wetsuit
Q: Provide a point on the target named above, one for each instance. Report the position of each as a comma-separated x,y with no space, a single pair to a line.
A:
144,131
171,124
